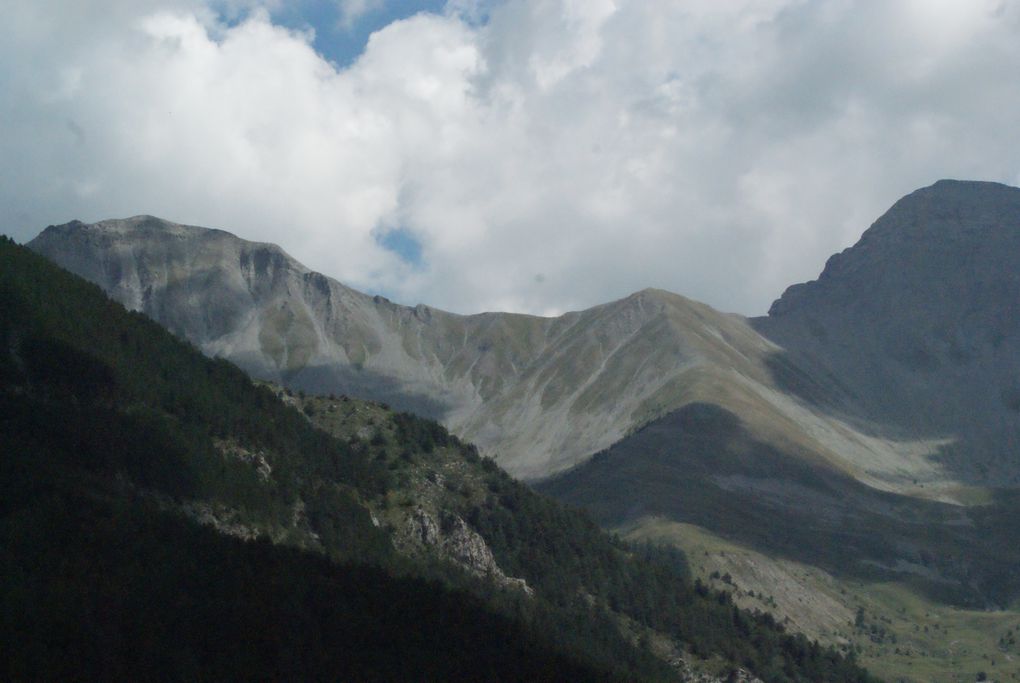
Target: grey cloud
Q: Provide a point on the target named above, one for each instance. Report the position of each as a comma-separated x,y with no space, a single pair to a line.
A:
719,150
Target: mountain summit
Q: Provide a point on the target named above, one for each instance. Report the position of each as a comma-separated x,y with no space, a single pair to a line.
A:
920,323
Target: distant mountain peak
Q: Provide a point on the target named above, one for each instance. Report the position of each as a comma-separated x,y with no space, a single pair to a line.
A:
922,236
921,320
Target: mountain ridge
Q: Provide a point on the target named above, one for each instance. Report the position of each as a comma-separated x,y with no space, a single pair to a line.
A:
539,394
494,378
867,426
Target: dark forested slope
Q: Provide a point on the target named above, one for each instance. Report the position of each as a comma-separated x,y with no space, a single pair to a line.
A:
115,438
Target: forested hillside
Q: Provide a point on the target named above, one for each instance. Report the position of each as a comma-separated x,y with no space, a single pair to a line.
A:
117,439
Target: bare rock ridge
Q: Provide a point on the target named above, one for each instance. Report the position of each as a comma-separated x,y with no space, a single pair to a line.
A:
920,323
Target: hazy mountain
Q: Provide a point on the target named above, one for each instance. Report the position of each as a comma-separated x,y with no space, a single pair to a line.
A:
911,339
542,393
920,323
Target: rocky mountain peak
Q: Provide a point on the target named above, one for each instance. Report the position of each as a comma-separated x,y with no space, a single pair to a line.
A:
928,300
941,251
920,320
949,239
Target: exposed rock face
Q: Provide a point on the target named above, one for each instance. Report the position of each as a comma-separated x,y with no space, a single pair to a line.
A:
920,324
219,517
256,459
455,541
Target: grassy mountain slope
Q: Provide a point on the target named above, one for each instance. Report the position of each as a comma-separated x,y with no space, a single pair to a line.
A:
561,556
117,438
910,336
897,633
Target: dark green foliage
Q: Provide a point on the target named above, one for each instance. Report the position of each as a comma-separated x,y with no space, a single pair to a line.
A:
94,590
556,549
100,410
424,434
591,578
575,566
343,523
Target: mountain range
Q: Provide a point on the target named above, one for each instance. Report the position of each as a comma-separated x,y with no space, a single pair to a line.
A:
867,426
846,368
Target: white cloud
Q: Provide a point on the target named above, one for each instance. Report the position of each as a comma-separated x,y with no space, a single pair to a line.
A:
352,10
558,155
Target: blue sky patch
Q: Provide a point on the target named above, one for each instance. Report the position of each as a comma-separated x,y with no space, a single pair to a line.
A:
404,244
341,44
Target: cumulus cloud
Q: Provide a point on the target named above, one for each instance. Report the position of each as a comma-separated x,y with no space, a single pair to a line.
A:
540,155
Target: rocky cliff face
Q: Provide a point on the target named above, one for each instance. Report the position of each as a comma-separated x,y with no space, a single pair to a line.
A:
453,540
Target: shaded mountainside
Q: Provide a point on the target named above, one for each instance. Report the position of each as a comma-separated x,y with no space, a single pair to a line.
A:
119,441
910,338
920,323
700,465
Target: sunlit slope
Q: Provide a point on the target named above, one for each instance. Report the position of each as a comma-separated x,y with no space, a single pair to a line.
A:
898,634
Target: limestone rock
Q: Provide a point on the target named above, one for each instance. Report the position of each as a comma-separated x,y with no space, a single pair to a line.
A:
457,542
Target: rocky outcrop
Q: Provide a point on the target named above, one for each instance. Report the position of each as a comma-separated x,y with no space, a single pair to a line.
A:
453,540
691,675
220,517
256,459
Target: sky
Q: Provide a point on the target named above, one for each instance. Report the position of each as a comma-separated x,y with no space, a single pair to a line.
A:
534,156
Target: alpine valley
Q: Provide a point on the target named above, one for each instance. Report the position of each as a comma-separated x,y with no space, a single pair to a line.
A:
845,469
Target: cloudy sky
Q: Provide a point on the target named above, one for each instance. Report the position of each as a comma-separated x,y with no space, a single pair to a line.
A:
527,155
